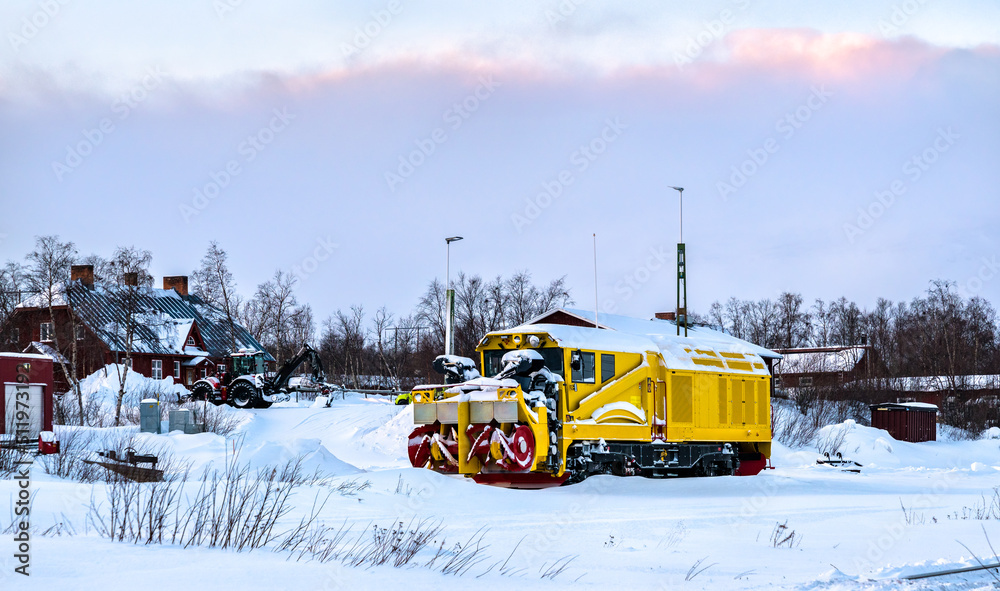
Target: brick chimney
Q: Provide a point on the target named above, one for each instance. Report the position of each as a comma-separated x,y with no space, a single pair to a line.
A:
131,279
666,316
178,283
85,273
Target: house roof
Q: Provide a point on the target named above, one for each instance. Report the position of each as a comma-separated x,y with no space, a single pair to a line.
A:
821,359
937,383
46,350
166,321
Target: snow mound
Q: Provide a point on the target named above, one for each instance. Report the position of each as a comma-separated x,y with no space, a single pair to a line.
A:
314,456
875,449
102,386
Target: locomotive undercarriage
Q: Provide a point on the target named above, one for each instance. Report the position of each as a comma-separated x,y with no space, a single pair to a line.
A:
657,459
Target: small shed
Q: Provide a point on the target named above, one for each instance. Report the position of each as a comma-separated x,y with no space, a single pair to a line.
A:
906,421
26,396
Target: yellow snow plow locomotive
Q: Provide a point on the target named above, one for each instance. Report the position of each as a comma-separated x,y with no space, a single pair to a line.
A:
565,402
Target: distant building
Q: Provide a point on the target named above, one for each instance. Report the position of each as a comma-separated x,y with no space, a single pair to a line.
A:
180,335
945,392
825,367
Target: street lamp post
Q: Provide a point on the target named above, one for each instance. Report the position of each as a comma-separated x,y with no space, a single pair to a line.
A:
681,317
449,321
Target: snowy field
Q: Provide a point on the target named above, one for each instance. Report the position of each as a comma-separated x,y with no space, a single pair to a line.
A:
799,526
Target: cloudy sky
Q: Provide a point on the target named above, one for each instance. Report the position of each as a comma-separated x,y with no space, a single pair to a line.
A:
845,148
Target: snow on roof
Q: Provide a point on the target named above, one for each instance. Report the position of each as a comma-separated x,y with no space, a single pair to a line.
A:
41,300
830,360
25,355
905,405
165,324
47,351
700,350
937,383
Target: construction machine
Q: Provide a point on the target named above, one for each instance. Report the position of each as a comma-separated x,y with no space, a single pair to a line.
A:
246,384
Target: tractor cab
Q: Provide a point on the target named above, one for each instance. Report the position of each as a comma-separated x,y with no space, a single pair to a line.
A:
246,362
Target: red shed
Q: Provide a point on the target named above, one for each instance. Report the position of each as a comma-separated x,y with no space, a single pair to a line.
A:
906,421
27,386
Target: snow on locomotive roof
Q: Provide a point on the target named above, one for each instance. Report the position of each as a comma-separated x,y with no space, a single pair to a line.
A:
679,352
700,335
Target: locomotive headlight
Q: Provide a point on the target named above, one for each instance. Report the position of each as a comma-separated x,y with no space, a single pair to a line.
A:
533,341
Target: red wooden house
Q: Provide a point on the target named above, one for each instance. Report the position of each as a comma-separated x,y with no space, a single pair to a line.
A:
179,336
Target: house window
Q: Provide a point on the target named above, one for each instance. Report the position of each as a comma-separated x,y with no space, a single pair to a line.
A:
45,332
15,335
607,367
204,372
177,369
220,369
157,369
806,381
582,365
80,332
191,342
777,383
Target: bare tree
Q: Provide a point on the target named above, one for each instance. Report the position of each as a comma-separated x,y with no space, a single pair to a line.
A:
846,325
214,283
430,311
13,287
717,315
48,275
793,322
736,315
763,323
129,289
274,304
349,328
822,324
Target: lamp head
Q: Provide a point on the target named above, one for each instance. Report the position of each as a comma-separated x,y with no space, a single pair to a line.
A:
452,239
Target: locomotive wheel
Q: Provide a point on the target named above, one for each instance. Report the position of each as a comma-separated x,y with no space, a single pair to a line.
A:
242,394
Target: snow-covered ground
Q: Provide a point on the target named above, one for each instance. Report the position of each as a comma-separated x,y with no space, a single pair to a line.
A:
908,511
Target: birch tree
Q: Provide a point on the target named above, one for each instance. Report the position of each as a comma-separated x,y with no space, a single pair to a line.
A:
129,289
48,276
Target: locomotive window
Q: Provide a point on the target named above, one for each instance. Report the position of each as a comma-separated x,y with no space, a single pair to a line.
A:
553,360
584,374
607,367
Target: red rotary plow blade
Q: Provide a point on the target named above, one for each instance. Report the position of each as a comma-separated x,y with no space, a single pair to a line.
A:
427,445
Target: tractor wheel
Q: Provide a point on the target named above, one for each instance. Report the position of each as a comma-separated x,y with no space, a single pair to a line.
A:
202,391
243,394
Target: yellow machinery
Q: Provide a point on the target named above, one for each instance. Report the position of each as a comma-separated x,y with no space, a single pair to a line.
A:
566,402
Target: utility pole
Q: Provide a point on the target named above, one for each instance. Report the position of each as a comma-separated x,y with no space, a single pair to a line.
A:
682,297
449,321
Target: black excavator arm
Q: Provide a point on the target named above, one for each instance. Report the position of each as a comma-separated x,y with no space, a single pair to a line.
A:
306,353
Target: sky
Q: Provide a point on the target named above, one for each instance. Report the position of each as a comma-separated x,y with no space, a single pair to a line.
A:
830,149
